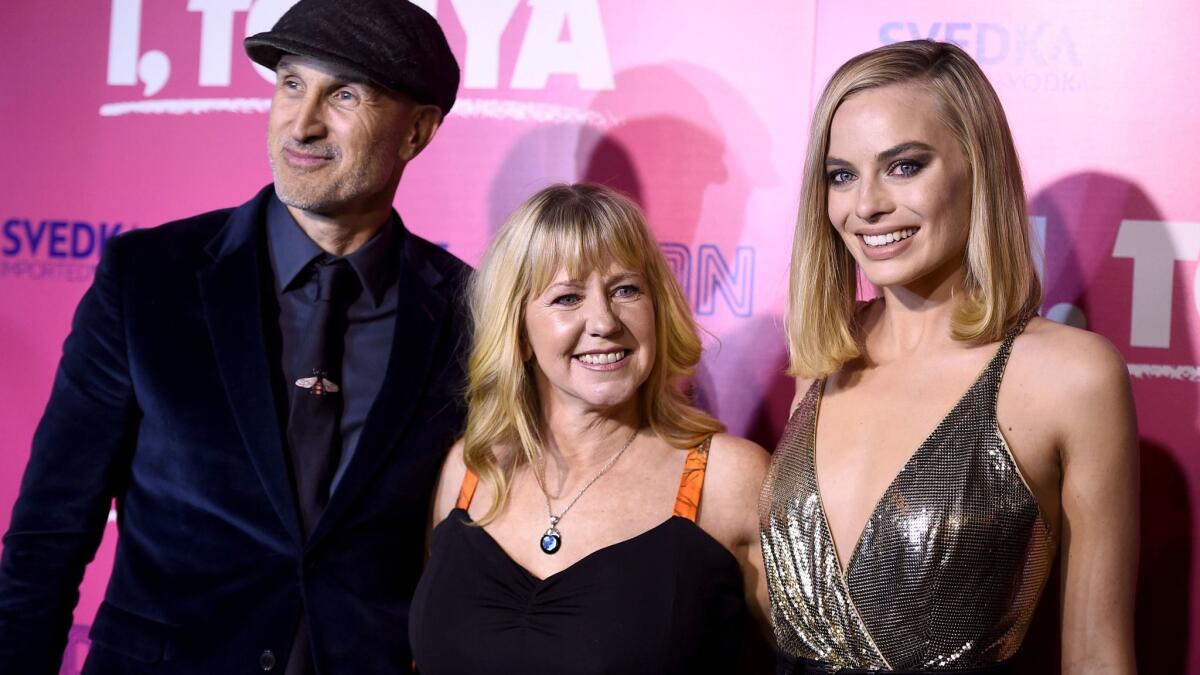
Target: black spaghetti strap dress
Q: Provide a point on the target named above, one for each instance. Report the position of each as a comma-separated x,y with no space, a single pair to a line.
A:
669,600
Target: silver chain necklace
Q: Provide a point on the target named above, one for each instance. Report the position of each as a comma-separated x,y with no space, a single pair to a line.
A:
551,540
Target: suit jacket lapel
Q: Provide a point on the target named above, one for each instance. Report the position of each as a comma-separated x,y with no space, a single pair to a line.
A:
231,289
420,320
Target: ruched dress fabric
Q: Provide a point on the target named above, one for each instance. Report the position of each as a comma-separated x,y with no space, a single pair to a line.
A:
669,600
948,570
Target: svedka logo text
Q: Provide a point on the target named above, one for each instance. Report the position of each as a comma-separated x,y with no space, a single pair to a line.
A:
53,249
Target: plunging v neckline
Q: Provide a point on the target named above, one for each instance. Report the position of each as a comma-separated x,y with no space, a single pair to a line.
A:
819,386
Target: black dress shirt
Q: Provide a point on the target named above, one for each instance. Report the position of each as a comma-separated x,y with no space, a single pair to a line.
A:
371,317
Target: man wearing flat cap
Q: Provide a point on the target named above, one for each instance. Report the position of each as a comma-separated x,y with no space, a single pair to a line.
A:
266,392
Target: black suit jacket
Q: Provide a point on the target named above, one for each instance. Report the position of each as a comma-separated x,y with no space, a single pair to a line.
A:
164,400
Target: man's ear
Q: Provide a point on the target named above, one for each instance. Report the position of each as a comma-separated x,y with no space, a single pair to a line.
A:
423,123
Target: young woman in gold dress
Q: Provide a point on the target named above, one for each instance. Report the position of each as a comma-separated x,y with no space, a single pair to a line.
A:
945,442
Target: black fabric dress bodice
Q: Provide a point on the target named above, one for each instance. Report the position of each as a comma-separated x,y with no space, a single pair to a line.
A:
669,600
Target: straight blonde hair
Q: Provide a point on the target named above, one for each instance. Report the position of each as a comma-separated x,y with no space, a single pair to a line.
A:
580,228
1000,284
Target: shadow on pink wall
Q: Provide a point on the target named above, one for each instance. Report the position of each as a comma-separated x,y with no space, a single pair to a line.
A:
1089,207
690,149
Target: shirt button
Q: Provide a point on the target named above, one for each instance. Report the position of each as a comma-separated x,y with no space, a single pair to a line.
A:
266,660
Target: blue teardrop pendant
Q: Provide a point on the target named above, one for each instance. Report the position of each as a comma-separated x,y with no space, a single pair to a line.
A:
551,541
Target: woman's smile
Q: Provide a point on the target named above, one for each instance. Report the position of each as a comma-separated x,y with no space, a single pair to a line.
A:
884,245
591,339
603,361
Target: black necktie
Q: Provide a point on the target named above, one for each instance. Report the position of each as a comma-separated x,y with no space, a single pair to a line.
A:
314,419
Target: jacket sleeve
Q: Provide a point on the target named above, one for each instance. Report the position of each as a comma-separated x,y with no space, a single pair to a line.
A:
79,460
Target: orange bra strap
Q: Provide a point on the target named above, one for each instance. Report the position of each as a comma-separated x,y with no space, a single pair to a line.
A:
467,491
691,484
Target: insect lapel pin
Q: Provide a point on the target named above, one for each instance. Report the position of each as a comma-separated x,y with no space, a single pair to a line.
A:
318,384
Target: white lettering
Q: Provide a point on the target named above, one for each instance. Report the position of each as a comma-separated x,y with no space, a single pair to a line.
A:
123,34
216,38
483,22
1155,247
125,66
154,69
563,37
542,54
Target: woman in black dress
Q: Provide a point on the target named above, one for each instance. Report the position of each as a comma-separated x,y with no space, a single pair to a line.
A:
590,520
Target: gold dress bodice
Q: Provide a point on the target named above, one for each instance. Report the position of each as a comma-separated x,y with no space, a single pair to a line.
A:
949,567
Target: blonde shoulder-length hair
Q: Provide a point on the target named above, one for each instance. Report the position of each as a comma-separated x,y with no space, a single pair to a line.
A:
1001,284
580,228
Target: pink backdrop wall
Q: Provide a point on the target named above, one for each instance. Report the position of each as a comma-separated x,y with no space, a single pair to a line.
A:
122,114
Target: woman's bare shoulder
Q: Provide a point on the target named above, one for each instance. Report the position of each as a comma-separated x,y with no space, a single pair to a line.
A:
733,478
449,482
740,456
1064,359
735,471
1071,381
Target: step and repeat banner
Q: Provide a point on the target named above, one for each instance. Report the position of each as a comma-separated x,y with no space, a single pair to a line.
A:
123,114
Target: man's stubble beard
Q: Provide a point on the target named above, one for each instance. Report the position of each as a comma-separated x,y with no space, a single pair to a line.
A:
326,195
305,192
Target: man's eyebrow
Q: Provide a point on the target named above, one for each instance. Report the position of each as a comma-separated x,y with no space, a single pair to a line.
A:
339,77
350,77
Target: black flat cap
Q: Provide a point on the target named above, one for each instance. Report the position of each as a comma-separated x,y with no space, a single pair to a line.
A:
393,42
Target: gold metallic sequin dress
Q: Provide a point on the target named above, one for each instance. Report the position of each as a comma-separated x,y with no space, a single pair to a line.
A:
949,567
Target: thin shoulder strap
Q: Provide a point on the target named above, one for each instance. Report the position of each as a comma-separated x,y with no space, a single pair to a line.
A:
691,483
995,370
467,492
1011,336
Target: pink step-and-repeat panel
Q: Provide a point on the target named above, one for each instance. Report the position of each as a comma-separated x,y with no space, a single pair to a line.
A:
122,114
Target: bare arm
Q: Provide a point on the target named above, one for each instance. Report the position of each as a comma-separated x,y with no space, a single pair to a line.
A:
754,575
729,511
1099,545
445,495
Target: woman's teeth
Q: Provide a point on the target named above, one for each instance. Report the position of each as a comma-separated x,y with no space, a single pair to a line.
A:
602,359
889,238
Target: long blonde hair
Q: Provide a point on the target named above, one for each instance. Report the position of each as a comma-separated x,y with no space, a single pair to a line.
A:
1001,284
577,227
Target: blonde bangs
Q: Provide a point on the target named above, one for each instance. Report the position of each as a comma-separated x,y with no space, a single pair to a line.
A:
578,241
